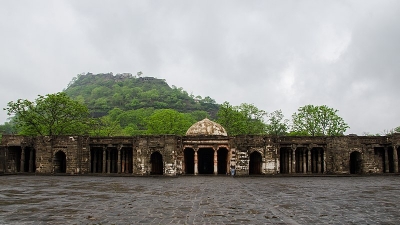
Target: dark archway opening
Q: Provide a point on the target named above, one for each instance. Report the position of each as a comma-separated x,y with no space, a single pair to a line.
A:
189,161
222,157
60,162
355,163
156,164
205,161
255,164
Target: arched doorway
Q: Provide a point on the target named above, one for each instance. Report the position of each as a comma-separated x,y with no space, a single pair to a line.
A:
255,163
60,162
222,157
189,160
205,160
156,163
355,163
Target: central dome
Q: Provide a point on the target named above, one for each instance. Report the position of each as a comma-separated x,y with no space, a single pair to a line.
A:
206,127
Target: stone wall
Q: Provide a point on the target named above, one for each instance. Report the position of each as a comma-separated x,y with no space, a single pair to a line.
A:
305,155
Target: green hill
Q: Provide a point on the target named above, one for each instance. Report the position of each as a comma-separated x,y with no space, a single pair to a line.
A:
106,91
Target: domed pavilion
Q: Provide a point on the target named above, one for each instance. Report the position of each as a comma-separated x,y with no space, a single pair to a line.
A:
206,149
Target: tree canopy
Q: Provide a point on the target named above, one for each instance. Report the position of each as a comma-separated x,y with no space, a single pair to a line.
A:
277,125
52,114
317,121
244,119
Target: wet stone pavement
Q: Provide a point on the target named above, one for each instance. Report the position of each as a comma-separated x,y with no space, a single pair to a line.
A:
199,200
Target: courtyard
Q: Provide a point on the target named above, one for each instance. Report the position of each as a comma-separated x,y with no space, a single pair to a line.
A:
199,200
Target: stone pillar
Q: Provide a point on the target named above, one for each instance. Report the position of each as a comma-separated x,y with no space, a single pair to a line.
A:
289,161
22,166
304,161
314,162
395,159
309,161
119,160
123,162
215,162
89,160
31,161
104,159
294,160
319,160
133,160
386,160
324,160
109,161
196,168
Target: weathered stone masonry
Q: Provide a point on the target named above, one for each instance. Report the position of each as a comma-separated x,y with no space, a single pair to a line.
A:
206,149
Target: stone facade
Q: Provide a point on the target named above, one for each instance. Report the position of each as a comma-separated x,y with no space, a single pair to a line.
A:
205,152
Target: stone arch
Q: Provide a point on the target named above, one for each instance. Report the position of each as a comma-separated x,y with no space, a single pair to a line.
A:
255,163
157,165
355,162
60,162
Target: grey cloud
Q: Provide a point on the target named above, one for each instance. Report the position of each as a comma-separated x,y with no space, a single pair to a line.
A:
275,54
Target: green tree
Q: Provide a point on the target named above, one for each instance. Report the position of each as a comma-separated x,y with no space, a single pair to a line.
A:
241,120
277,125
53,114
253,119
318,121
169,121
105,126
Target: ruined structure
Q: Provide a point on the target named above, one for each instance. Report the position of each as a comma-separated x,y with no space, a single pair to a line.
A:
205,149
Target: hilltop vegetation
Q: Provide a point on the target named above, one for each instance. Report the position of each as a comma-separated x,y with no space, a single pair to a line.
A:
126,105
104,92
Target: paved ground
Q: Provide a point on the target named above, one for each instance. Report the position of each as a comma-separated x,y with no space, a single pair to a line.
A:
199,200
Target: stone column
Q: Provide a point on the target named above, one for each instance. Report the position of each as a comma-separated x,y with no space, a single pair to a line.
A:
319,160
294,160
123,162
119,160
395,159
309,161
90,160
386,160
196,168
104,159
215,162
289,161
31,161
22,166
324,160
133,160
304,161
109,161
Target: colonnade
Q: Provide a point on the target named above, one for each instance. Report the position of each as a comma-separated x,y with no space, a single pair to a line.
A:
391,160
302,160
111,160
207,159
31,160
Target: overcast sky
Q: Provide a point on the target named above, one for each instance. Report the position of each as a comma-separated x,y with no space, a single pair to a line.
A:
274,54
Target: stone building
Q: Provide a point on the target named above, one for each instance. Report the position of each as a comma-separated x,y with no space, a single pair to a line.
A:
205,149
